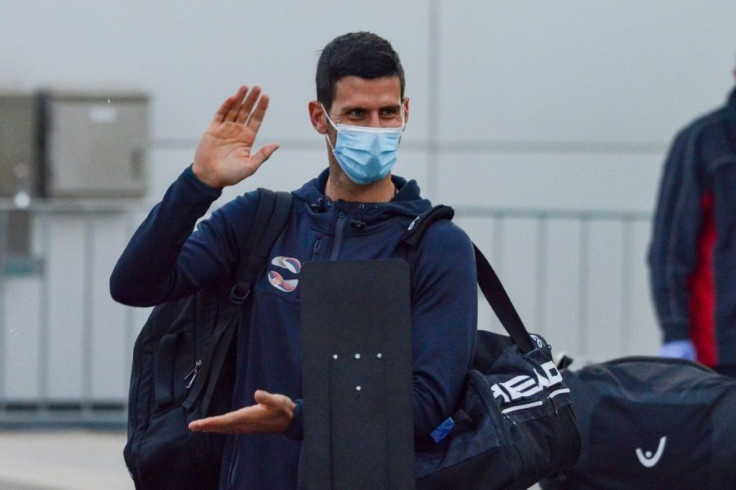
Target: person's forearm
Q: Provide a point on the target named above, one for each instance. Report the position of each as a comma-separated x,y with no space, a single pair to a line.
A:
145,273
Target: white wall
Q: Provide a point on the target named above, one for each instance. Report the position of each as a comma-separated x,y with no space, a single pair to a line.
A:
575,86
526,104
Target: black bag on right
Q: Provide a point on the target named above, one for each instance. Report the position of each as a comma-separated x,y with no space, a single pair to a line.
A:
651,422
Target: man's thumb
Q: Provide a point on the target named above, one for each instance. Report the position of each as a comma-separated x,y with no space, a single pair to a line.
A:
263,397
265,153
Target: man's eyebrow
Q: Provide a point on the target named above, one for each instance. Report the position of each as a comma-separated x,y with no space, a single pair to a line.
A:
354,107
360,107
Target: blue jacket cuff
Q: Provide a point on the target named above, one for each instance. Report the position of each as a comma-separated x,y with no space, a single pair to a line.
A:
675,331
295,431
199,186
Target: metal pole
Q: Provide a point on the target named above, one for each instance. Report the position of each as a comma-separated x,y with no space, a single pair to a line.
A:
626,284
87,326
584,285
540,280
3,354
45,322
433,90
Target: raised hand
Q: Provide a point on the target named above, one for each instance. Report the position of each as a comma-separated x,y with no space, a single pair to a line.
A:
271,413
225,155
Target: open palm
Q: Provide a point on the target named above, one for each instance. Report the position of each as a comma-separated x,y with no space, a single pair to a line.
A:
225,153
272,413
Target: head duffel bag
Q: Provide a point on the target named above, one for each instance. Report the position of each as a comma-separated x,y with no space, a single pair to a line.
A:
652,422
515,423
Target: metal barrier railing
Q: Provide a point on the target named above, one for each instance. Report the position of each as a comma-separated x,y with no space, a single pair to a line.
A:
39,247
67,363
587,250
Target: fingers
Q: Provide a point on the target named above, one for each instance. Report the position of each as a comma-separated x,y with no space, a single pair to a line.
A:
227,422
201,425
272,413
222,113
238,108
247,105
276,402
256,118
264,397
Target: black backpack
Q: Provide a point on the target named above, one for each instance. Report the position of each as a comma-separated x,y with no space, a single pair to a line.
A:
515,423
184,369
652,422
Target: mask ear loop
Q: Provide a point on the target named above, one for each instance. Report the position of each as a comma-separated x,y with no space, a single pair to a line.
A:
403,115
337,131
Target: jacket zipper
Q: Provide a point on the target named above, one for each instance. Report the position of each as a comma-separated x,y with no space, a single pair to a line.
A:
316,248
339,232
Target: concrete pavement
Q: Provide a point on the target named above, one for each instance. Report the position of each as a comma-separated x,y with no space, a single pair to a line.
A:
63,460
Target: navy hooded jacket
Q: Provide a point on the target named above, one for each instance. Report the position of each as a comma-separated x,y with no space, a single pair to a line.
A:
692,256
165,260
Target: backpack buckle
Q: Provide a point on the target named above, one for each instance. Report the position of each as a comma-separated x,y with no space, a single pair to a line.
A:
238,295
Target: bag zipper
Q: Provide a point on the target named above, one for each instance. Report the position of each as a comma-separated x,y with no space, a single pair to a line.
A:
192,375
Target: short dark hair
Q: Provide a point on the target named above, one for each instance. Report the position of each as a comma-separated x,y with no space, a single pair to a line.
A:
359,54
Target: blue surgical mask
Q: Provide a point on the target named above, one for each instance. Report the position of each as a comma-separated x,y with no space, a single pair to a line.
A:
365,154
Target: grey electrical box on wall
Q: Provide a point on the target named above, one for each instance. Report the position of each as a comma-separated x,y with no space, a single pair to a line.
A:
74,144
19,142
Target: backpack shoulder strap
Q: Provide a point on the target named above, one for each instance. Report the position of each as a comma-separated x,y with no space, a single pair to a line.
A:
417,228
488,281
271,214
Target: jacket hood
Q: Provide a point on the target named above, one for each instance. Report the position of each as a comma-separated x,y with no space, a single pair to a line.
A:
407,203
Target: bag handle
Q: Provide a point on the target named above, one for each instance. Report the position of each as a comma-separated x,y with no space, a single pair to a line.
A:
499,300
488,280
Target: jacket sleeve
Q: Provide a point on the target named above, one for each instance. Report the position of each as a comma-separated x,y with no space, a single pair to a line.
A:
677,224
444,322
167,258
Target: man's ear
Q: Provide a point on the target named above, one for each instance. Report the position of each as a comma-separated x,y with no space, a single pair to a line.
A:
317,116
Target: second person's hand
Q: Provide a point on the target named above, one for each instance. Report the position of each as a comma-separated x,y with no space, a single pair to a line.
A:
225,155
